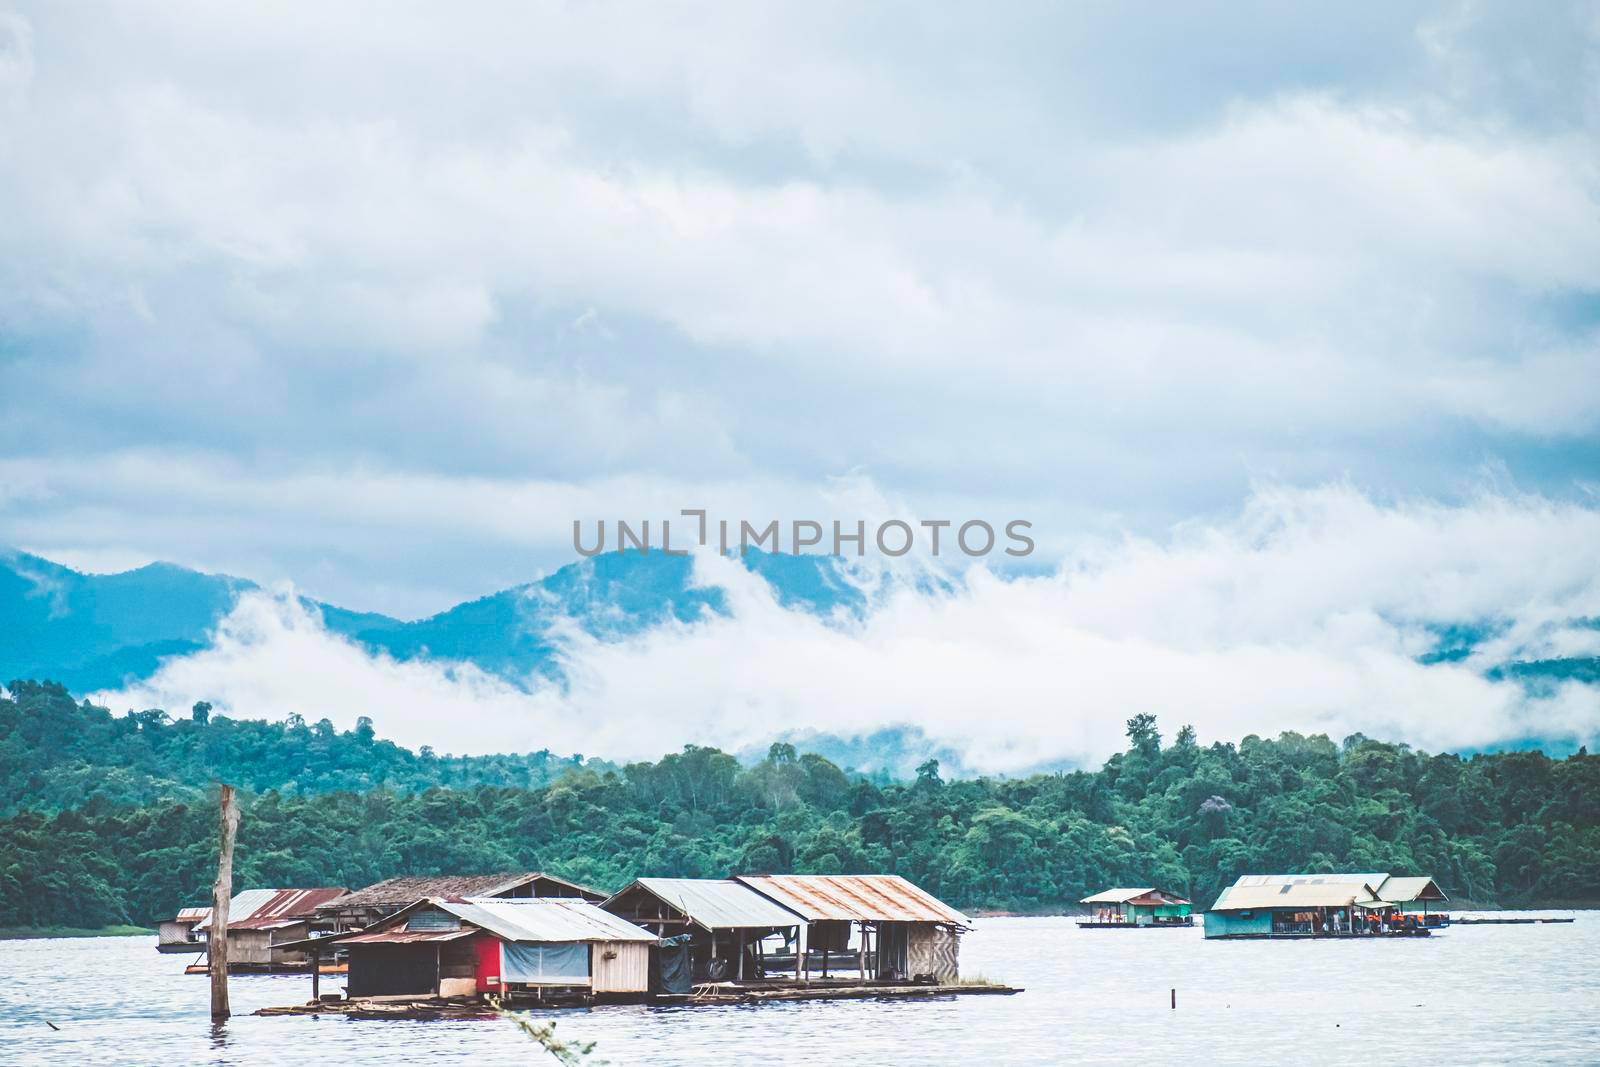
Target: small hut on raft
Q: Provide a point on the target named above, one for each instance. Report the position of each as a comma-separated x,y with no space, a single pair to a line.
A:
261,923
880,926
1142,908
364,907
530,948
712,929
178,933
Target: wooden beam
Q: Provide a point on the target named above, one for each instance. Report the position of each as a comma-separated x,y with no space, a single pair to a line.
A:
221,894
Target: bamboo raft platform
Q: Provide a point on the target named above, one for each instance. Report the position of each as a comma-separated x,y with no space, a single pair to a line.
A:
389,1008
733,994
423,1008
270,968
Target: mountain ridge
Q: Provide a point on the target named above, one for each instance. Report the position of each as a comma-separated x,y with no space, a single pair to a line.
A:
95,632
101,631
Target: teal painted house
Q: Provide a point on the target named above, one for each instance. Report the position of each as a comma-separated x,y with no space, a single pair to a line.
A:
1145,907
1326,905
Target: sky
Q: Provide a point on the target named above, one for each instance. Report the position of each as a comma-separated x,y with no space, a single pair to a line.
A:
377,301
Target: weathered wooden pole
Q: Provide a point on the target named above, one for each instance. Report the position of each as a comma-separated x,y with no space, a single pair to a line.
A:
221,893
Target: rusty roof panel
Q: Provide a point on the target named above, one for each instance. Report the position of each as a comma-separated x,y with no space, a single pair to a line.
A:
855,897
1117,896
291,905
408,937
265,909
1144,897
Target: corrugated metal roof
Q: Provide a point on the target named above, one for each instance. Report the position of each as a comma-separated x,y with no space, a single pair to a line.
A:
1143,897
855,897
398,892
242,906
717,903
290,906
1372,878
539,920
192,915
1410,888
1321,890
1116,896
1291,891
545,919
266,909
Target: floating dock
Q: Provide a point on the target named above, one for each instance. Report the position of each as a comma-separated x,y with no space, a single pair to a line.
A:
270,968
405,1007
1509,922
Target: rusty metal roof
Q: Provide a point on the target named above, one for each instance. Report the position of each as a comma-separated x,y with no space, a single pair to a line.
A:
407,937
1116,896
855,897
192,915
1148,897
266,909
407,889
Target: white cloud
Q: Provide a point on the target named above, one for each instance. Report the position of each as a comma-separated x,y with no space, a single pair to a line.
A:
1306,612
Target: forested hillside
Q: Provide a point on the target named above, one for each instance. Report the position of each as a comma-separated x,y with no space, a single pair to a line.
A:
1512,828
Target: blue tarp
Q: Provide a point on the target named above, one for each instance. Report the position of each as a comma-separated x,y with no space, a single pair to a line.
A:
557,964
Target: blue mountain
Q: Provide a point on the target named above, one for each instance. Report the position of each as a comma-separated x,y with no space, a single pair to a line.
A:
100,631
92,631
88,631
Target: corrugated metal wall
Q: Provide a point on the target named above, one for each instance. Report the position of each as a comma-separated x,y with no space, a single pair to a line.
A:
173,933
621,967
249,946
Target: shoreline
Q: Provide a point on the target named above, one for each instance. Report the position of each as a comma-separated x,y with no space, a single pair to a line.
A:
35,933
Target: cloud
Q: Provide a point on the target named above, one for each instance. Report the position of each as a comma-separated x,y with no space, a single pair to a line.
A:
1308,610
1108,280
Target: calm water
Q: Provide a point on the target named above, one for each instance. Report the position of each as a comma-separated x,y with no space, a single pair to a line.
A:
1475,994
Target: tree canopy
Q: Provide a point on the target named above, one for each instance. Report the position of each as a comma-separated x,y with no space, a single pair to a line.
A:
107,820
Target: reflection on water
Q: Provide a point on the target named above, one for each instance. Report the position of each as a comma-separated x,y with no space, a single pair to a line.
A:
1484,994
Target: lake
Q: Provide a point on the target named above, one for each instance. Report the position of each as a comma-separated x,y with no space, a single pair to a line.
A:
1473,994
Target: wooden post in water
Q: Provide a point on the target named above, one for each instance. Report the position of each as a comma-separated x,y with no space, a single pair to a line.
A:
221,893
1174,1000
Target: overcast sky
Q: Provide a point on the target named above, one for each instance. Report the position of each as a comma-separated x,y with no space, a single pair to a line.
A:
378,301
